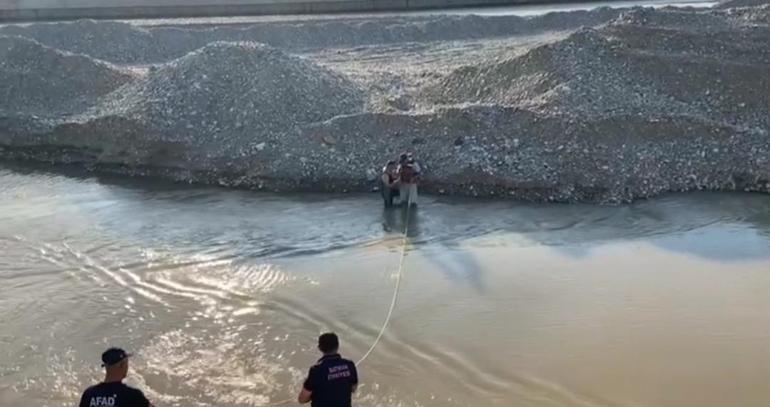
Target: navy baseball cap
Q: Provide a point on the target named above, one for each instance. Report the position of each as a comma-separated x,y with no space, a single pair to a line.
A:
114,356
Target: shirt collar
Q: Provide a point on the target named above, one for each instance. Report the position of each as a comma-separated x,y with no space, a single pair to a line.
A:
328,357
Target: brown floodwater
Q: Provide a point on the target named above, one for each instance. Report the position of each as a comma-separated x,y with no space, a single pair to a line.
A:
222,293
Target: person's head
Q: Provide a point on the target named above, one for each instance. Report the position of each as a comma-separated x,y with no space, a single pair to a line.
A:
403,157
115,362
390,166
328,343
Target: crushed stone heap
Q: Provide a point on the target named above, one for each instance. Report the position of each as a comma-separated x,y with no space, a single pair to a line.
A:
653,101
42,81
647,63
228,90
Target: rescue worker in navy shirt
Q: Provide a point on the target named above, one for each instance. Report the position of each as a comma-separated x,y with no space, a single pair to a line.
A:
332,381
112,392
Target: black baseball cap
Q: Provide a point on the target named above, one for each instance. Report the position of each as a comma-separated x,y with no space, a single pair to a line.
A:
114,356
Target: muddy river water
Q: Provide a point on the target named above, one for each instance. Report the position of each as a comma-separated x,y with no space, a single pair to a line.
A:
222,293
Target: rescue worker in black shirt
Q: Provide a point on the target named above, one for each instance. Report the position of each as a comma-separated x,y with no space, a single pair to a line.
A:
112,392
332,381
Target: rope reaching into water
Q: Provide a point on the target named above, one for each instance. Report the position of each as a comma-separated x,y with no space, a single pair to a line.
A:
396,289
393,301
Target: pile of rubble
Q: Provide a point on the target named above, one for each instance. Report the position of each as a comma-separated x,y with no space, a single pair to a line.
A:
223,101
649,63
124,43
742,3
115,42
41,81
650,102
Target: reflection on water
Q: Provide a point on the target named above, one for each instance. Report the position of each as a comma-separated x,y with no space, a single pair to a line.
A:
222,293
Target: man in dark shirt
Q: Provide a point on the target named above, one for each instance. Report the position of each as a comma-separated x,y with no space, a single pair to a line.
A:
112,392
332,381
389,183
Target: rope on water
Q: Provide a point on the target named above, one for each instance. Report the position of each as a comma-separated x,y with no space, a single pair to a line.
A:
393,301
396,289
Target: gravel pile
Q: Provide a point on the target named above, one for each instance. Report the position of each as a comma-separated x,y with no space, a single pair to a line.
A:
653,101
719,70
115,42
647,62
584,75
741,3
578,76
231,97
389,30
751,15
124,43
42,81
512,152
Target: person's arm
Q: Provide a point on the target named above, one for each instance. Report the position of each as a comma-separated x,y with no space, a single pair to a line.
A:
386,180
353,378
83,400
306,394
142,400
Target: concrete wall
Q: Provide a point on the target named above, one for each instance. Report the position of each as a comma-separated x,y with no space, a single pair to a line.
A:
30,10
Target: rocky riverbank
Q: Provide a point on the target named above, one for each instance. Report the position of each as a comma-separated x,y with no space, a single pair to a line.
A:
627,104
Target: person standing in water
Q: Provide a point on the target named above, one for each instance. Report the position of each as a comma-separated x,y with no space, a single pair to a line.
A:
408,173
389,183
332,381
112,392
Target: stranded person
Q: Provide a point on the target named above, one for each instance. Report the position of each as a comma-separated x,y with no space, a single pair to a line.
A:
389,183
112,392
332,381
409,174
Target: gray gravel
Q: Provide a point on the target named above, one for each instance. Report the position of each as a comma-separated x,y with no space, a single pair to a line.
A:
741,3
650,102
42,81
756,15
222,101
123,43
233,87
647,63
